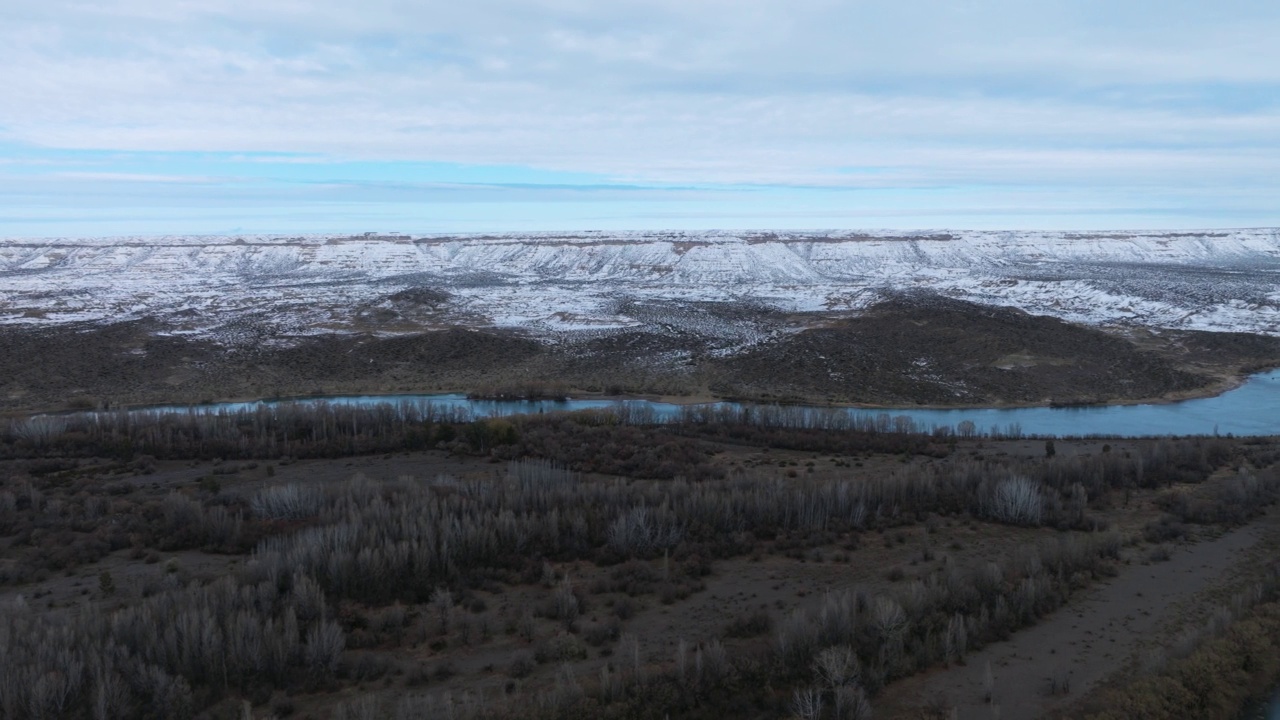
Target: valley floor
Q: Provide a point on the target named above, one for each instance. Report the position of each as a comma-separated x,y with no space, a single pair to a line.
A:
1124,627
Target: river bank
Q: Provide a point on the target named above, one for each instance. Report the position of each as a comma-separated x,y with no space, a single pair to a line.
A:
1247,410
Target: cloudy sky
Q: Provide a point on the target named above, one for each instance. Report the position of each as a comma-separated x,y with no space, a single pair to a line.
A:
209,116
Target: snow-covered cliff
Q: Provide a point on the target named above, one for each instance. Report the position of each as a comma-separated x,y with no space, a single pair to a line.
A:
551,283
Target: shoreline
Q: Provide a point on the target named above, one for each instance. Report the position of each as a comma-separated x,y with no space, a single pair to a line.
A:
1215,389
1224,384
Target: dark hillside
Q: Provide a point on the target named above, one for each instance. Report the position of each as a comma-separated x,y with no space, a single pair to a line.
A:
940,351
906,350
133,363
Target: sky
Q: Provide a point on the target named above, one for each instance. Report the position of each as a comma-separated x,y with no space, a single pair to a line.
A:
149,117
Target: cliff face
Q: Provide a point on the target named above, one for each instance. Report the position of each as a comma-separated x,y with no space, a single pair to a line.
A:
553,284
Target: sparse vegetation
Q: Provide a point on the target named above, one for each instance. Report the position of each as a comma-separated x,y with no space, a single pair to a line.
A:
728,349
1235,663
544,566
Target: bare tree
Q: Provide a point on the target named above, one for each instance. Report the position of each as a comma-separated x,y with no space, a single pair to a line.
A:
807,704
39,430
956,639
836,666
1016,500
442,601
715,662
851,703
325,642
566,602
682,661
988,684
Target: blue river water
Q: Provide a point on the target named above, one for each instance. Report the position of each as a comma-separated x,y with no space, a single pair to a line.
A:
1266,710
1253,408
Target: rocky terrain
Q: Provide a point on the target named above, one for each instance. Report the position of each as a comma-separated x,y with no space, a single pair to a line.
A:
563,287
963,318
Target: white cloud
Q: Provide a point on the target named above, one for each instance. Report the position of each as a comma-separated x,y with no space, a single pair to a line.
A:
1178,93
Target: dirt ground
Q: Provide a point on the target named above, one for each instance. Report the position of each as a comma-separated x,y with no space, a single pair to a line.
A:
1117,627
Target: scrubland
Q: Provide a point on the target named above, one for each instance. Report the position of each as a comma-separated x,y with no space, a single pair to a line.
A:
907,350
388,562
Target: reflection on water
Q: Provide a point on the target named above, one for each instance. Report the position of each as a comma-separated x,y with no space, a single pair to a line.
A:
1251,409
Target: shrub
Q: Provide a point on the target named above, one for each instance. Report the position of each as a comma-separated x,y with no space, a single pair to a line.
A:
752,624
521,666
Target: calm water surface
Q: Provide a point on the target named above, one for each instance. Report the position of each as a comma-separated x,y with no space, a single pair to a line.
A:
1269,710
1251,409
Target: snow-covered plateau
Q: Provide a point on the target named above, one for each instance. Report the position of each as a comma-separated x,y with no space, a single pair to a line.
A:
558,285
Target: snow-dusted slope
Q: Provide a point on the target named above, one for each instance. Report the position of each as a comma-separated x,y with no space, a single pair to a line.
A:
549,283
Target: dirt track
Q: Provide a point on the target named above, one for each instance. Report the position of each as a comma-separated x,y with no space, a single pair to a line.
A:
1110,629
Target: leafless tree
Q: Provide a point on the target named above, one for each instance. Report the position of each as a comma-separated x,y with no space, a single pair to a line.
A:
836,666
806,703
442,601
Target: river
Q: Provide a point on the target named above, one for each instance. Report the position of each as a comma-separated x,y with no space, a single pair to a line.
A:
1253,408
1267,710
